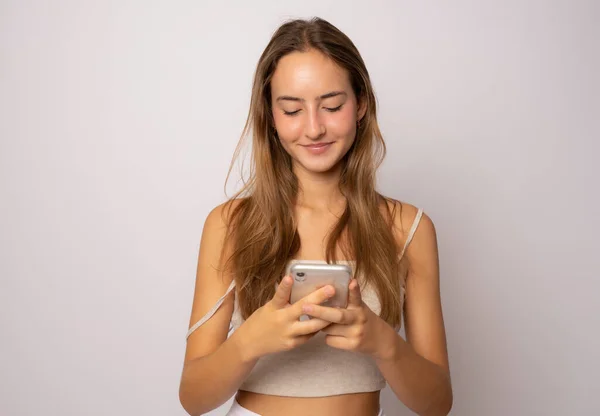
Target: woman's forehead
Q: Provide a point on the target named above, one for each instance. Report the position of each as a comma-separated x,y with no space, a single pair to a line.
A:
308,75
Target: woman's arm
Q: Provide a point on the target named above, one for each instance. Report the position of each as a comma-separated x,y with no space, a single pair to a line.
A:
209,381
214,366
420,384
417,370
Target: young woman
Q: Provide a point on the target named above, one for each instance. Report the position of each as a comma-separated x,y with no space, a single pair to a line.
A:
311,197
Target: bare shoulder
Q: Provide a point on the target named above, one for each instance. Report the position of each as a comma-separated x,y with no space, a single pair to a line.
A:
213,234
220,215
404,216
212,251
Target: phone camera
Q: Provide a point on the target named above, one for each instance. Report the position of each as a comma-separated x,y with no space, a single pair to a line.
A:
300,277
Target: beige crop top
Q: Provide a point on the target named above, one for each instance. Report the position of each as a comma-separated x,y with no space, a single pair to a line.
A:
313,369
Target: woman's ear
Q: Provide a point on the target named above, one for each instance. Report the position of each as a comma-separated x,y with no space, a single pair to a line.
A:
362,108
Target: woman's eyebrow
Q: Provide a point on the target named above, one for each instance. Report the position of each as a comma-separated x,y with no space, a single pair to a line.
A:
322,97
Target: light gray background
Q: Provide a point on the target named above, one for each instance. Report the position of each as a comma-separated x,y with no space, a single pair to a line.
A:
118,123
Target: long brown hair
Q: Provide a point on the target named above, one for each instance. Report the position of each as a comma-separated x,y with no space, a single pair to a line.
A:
262,234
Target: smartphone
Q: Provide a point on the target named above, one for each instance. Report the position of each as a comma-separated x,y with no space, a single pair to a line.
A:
309,277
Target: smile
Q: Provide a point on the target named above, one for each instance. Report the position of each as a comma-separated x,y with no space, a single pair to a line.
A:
317,149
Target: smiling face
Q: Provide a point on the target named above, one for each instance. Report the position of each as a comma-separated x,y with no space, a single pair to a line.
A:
315,110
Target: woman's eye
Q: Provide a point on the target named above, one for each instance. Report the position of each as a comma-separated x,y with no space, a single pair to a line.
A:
331,110
334,109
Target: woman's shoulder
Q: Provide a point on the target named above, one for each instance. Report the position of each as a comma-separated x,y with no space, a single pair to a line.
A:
215,232
222,213
404,217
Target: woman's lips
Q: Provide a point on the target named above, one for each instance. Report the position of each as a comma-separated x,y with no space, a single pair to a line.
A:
317,149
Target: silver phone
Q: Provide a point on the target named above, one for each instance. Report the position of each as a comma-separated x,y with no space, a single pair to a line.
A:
309,277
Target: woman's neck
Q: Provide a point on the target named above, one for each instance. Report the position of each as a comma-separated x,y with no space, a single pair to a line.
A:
319,191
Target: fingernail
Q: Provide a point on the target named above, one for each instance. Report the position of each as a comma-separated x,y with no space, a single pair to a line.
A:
306,308
329,291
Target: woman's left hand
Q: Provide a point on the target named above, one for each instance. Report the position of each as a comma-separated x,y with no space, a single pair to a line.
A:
355,328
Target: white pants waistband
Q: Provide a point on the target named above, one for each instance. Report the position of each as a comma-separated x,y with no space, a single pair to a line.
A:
237,410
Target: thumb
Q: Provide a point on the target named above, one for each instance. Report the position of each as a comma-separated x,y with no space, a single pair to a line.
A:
354,296
282,293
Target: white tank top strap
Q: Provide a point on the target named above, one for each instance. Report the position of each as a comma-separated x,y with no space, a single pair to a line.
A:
411,233
212,311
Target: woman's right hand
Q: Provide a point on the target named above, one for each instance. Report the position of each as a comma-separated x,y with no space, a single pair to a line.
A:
276,326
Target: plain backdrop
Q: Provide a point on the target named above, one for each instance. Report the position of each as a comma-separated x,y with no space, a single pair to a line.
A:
118,121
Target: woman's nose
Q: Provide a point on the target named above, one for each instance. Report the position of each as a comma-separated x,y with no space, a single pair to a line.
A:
315,127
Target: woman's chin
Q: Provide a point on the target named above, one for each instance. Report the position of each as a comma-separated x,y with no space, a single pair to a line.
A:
324,166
